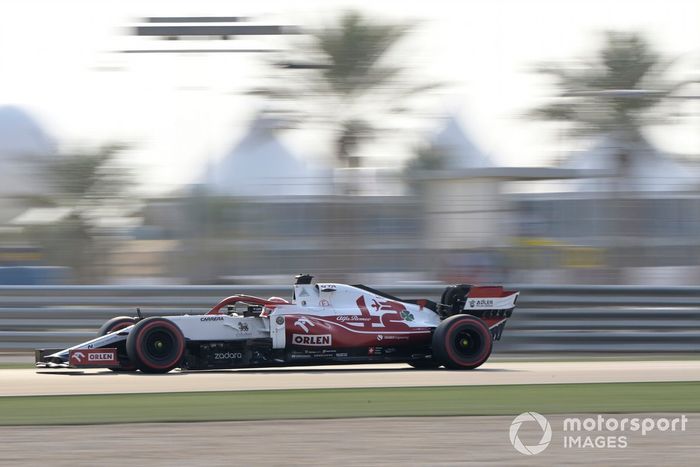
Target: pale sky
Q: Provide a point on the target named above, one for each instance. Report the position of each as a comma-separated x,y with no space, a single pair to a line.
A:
57,60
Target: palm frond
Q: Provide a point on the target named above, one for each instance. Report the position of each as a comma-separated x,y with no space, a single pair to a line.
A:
346,76
617,91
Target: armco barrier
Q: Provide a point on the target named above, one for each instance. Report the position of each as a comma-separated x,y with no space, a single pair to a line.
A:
555,319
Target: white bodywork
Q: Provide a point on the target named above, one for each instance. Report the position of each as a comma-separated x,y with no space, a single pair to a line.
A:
491,303
327,299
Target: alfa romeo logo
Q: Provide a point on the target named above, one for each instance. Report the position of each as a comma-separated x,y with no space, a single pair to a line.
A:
544,426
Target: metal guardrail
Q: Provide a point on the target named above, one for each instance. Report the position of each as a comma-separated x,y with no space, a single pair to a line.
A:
555,319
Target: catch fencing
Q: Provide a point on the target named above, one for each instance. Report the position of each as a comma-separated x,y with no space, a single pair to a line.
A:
554,319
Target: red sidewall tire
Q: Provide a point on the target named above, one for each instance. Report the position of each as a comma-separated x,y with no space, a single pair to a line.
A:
137,343
115,324
445,350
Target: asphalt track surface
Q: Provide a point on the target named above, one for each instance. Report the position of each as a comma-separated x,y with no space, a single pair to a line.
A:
430,441
55,382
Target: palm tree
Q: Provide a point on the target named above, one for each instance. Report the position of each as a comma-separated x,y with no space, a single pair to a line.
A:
618,93
91,184
624,89
87,179
341,77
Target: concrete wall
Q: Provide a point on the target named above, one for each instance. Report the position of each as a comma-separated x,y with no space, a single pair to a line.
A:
465,213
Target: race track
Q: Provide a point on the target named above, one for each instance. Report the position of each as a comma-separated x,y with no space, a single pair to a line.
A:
54,382
395,442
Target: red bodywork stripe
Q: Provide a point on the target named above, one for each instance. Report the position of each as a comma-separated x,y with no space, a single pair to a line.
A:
489,292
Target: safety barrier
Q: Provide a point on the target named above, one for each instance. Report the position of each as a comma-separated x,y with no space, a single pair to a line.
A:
555,319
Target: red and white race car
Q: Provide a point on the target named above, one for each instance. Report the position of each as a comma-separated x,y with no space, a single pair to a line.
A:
322,324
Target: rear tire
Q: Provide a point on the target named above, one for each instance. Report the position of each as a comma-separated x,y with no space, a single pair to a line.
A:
462,342
156,345
453,298
115,324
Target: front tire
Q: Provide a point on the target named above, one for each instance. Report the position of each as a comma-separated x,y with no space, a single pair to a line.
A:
116,324
156,345
462,342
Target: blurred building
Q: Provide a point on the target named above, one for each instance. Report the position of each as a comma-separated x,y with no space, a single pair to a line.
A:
463,209
457,148
261,165
25,149
222,239
633,219
457,227
24,146
619,212
262,212
629,167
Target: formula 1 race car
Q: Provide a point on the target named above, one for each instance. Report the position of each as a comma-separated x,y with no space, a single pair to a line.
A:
323,324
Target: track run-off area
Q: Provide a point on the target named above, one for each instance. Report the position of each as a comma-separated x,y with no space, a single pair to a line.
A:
30,382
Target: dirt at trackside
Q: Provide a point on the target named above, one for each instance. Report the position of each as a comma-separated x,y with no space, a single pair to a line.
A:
434,441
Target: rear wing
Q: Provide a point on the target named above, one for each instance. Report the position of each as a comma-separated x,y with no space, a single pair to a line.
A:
491,298
492,304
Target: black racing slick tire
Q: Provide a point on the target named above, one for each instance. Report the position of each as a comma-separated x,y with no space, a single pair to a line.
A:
115,324
462,342
156,345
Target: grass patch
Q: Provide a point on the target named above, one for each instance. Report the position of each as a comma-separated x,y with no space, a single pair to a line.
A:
341,403
16,366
